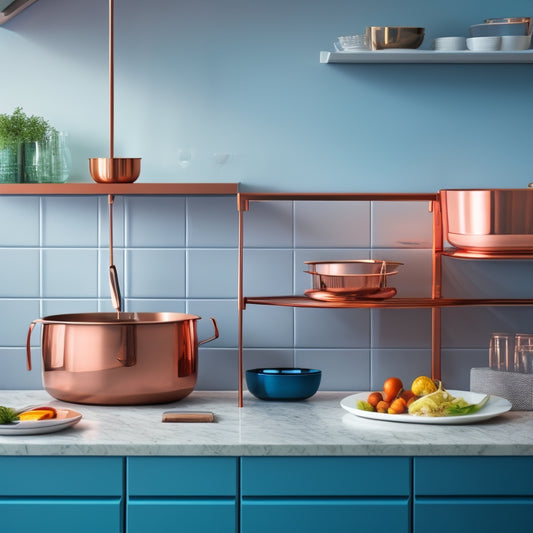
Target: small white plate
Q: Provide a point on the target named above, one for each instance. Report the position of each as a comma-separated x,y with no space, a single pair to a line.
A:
65,418
494,407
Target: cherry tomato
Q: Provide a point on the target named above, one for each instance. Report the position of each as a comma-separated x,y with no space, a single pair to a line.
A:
391,388
374,398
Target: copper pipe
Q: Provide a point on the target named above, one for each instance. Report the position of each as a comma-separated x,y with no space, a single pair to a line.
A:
111,169
242,206
111,199
436,290
111,81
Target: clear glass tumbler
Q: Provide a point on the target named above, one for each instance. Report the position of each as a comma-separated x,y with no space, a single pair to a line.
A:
500,352
523,353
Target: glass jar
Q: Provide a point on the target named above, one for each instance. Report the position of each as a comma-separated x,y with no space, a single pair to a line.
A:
48,161
11,164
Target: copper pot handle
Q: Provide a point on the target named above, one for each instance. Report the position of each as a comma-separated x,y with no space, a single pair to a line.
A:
28,338
215,336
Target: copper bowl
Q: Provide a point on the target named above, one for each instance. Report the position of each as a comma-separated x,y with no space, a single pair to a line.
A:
351,278
386,37
115,169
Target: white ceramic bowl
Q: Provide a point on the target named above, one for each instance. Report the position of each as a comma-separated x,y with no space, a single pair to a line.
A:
499,28
484,44
448,44
515,42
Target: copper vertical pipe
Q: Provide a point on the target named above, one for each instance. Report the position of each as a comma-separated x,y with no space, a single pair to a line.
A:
241,206
111,199
111,81
436,291
113,169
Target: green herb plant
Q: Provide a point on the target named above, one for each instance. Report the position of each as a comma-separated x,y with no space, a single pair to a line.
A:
20,128
8,415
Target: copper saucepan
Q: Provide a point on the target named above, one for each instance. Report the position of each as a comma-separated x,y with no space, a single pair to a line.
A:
125,359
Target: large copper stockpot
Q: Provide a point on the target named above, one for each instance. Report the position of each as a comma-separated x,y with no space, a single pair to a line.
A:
124,359
489,220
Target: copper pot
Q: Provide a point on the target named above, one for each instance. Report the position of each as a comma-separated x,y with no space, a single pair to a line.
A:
124,359
488,220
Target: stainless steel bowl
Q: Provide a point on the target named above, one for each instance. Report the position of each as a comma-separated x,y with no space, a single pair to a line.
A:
386,37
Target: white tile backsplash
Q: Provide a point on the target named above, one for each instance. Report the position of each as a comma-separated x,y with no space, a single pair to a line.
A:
401,225
332,224
179,254
19,221
70,221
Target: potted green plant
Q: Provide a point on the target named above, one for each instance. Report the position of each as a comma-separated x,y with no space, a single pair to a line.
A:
31,149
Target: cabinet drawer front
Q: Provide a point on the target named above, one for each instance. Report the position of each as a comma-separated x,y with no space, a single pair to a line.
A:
60,516
473,476
60,476
200,516
182,476
321,516
325,476
494,515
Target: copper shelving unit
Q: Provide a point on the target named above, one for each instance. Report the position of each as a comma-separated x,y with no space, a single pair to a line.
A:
436,302
74,189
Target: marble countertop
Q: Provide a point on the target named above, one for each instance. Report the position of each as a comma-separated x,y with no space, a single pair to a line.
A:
317,426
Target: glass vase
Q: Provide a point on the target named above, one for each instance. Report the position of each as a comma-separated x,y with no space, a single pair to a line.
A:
11,164
48,161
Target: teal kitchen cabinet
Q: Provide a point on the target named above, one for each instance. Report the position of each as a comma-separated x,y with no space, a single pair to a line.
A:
320,494
467,494
182,494
61,494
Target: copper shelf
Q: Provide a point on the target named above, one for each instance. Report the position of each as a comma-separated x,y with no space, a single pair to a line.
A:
465,254
244,198
391,303
60,189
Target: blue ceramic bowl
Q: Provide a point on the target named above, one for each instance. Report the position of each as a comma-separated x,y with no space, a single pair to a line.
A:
285,384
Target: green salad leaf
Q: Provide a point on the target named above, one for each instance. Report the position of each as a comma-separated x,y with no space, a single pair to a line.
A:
460,407
364,406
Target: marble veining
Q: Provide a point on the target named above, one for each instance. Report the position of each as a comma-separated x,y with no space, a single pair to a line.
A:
317,426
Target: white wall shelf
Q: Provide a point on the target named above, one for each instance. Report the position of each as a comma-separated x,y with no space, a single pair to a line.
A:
426,56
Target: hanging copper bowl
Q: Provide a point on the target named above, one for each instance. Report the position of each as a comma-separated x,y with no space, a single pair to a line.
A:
115,169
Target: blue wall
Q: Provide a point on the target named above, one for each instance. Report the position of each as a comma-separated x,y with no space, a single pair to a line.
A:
242,79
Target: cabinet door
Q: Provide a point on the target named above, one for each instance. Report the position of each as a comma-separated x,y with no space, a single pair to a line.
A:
325,494
489,494
182,494
61,494
60,515
322,515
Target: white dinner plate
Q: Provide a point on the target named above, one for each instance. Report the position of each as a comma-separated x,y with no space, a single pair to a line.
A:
65,418
494,407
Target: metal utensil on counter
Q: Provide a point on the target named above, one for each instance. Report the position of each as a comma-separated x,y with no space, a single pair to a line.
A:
113,169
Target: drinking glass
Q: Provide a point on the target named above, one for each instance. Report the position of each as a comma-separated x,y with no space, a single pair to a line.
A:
500,354
523,353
